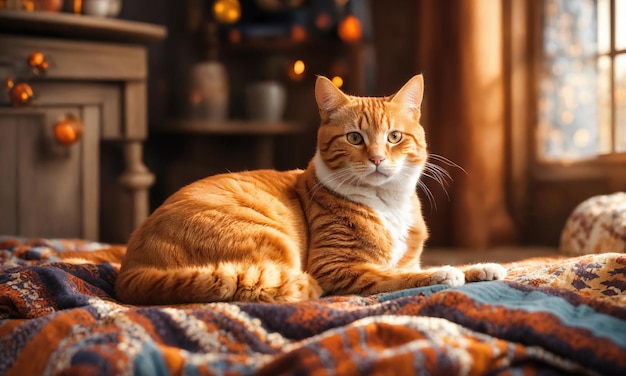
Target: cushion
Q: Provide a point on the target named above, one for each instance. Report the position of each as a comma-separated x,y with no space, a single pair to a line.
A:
596,225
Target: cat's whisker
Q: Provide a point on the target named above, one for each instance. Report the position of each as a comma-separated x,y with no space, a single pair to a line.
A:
333,177
336,176
319,185
440,174
438,170
442,183
436,175
345,176
446,161
429,195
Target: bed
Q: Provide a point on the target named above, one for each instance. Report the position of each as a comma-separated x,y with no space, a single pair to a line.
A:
549,316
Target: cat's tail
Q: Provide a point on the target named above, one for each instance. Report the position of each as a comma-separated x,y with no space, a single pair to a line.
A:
264,282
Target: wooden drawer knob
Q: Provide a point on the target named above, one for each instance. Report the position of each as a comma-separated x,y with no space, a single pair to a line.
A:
68,130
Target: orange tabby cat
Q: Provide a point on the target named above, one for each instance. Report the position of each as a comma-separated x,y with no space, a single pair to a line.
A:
351,223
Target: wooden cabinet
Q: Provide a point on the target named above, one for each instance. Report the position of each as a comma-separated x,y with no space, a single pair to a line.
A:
96,72
46,189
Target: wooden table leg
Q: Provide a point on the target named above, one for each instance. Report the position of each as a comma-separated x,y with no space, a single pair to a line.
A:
137,179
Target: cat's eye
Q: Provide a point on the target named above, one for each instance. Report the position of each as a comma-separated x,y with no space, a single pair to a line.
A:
354,138
394,137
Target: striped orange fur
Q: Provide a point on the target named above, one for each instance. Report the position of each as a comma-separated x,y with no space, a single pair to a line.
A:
351,223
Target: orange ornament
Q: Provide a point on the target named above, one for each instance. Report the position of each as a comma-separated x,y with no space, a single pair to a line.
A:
37,61
21,94
350,29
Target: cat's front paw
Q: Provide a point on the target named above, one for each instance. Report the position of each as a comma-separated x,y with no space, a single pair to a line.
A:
447,275
484,272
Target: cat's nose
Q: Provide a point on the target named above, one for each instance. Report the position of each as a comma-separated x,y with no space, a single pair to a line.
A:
377,160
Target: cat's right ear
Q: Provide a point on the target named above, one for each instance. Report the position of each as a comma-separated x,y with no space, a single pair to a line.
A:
328,96
411,94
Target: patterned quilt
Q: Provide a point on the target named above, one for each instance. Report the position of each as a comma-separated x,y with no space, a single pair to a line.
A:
550,316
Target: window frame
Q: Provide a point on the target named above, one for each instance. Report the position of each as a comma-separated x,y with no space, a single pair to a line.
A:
612,54
528,174
552,167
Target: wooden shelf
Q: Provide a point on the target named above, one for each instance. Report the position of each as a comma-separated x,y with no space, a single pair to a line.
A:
264,133
78,26
231,127
280,45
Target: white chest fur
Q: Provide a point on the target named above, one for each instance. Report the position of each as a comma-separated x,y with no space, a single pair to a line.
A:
392,205
397,217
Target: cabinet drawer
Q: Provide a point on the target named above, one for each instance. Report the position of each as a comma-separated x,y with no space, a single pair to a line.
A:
74,60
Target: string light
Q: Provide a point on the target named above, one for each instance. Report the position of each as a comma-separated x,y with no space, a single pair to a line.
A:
338,81
298,67
350,29
296,70
227,11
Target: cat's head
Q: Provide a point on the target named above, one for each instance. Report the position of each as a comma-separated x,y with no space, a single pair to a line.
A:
375,142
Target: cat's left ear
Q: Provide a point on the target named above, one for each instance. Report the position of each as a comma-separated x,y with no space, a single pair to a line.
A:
328,96
411,94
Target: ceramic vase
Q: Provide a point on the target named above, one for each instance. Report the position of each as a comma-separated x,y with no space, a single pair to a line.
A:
102,8
265,101
209,80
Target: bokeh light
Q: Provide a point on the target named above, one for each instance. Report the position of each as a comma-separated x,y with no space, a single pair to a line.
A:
323,21
350,29
298,33
296,70
299,67
227,11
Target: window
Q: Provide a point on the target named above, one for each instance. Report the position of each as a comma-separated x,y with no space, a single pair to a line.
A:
582,93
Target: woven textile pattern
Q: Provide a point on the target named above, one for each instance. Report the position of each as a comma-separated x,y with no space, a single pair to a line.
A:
549,315
596,225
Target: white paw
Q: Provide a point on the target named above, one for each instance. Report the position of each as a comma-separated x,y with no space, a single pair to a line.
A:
448,275
485,272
